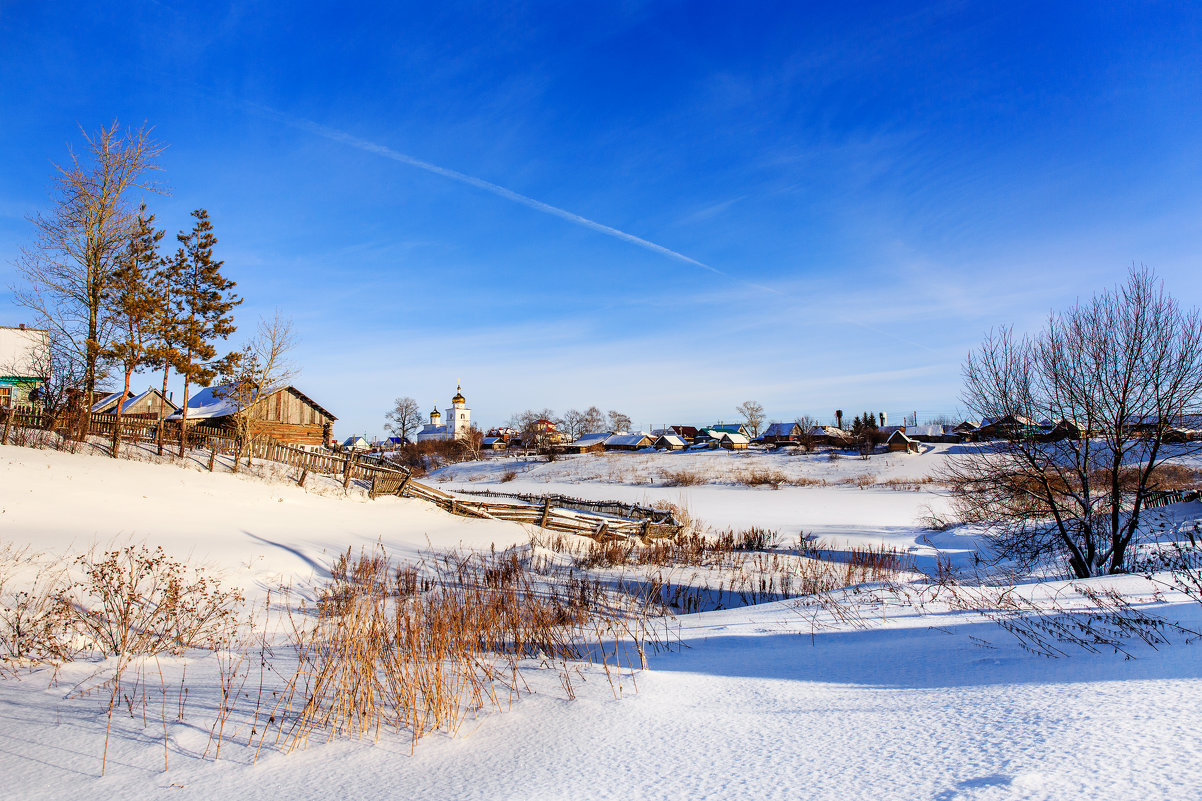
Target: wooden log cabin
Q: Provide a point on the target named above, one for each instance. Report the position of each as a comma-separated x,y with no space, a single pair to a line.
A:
150,404
286,415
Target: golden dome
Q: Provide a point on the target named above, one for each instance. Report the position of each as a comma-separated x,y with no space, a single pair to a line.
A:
458,395
435,413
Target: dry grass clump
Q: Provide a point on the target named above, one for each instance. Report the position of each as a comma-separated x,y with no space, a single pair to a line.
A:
907,484
386,649
682,478
759,476
1176,477
693,573
507,476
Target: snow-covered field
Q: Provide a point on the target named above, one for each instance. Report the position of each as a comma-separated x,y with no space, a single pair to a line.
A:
895,694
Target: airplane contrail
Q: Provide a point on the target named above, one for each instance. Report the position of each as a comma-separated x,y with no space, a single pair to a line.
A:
345,138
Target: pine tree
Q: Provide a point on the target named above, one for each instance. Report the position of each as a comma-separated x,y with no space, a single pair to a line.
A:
203,305
164,352
132,302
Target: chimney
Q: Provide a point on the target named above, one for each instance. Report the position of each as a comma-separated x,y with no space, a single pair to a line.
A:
22,326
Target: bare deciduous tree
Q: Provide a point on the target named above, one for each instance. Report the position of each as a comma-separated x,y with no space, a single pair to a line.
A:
79,243
404,417
806,439
753,416
1116,373
573,424
593,422
261,368
617,421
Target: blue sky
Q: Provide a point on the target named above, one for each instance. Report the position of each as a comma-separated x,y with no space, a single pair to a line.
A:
663,208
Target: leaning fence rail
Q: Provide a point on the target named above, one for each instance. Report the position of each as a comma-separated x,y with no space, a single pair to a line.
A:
598,519
615,508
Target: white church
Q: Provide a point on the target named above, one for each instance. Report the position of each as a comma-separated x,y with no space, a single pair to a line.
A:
459,421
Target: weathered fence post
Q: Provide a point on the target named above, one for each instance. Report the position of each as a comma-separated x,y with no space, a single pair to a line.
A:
8,418
346,471
546,513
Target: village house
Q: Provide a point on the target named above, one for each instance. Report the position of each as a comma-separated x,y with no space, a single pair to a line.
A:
733,440
150,404
687,433
733,428
670,442
931,433
24,364
1008,427
587,443
625,441
781,434
286,415
830,436
355,444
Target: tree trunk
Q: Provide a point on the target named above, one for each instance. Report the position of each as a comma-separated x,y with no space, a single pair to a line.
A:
183,420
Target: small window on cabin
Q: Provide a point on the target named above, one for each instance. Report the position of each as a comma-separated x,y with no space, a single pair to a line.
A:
6,397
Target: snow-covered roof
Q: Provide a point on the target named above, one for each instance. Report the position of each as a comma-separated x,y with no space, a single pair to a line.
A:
734,437
829,431
594,438
900,435
106,401
24,352
780,430
671,439
209,403
924,431
111,400
624,439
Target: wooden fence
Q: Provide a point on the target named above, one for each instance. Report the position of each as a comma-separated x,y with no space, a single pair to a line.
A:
1158,498
613,508
610,519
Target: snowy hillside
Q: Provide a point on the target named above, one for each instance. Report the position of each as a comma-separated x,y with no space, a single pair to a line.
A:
879,690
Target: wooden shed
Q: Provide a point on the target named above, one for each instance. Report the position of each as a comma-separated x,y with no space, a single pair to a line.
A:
670,442
286,415
898,442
